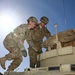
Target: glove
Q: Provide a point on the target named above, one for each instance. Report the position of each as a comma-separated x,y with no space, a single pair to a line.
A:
24,53
39,51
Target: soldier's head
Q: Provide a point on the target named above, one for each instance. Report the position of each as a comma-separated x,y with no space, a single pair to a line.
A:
44,20
32,22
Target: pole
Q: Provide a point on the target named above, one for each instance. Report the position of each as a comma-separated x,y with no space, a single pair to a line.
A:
57,40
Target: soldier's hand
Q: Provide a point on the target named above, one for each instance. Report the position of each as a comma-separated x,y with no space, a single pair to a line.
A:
24,53
39,51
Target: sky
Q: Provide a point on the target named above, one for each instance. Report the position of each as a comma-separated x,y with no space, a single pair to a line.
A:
16,12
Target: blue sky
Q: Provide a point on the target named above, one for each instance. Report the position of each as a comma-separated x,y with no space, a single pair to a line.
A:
16,12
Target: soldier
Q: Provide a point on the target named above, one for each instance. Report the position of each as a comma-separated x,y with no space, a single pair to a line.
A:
14,41
38,34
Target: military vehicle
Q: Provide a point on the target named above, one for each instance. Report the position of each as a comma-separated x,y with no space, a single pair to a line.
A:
59,59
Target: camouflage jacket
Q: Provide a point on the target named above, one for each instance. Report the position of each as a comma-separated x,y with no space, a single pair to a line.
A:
39,33
19,34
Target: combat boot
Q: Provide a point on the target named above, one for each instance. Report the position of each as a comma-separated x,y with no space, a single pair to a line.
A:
2,62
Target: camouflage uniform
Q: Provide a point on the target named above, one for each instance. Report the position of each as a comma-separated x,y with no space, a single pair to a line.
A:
14,44
14,41
37,36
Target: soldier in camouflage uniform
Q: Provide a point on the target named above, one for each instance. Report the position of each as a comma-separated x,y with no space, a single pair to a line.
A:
14,41
38,34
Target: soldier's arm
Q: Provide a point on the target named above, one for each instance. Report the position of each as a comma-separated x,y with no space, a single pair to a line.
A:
47,32
21,45
22,48
18,33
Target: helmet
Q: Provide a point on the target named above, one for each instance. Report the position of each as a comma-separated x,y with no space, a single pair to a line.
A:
33,19
44,19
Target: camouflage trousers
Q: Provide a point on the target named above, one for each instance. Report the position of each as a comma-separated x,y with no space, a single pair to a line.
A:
33,57
33,54
14,54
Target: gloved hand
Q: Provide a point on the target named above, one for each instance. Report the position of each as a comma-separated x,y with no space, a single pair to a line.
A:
39,51
24,53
